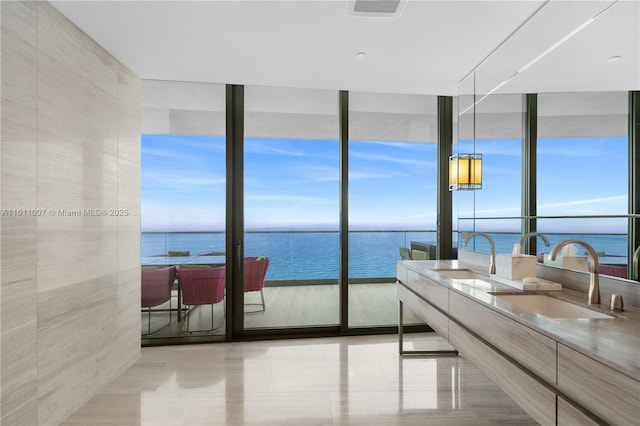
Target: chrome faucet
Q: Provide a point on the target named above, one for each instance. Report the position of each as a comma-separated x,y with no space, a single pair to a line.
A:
534,234
492,258
594,281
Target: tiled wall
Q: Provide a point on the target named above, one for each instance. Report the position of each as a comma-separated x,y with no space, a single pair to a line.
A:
69,285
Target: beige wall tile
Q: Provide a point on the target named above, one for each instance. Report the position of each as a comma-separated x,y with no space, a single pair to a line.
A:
129,145
18,321
60,38
67,257
69,284
77,328
19,374
18,165
72,175
129,186
127,349
128,242
18,63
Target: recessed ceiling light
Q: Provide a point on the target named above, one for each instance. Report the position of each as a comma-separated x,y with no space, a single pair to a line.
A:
361,55
613,59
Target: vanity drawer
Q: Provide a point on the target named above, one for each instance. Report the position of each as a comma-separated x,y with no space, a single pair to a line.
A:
526,346
434,292
607,393
401,273
434,318
569,415
533,396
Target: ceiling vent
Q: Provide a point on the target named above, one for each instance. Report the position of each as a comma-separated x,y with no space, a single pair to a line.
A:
376,8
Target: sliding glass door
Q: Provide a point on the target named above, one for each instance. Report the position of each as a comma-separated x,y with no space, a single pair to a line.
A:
271,260
392,198
183,211
291,208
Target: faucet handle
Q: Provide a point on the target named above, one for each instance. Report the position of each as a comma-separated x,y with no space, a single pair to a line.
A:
616,303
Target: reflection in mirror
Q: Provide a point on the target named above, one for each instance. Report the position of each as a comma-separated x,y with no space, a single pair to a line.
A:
498,136
466,115
608,237
581,58
465,143
582,171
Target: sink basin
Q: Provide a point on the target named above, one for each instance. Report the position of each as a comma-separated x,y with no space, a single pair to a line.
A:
547,306
460,274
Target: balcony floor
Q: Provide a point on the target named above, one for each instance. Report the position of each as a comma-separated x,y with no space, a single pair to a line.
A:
295,306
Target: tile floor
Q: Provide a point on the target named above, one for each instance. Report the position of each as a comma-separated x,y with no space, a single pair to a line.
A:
325,381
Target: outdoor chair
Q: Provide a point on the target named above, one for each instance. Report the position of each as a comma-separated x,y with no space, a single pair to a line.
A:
255,270
201,286
419,255
405,254
155,290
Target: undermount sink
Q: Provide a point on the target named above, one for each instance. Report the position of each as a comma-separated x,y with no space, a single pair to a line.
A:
460,274
547,306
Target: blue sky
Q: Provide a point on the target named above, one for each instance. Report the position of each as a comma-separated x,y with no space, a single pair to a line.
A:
293,184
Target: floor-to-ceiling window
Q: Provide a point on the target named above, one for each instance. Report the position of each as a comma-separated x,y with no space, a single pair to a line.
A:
183,210
583,175
291,207
392,197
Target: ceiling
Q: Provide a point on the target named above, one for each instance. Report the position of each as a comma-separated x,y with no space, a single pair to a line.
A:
429,49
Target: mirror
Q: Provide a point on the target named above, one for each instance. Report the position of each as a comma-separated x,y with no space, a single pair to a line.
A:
581,59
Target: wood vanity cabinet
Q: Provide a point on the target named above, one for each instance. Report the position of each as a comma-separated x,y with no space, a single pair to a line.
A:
570,415
536,398
555,384
609,394
526,346
432,316
430,290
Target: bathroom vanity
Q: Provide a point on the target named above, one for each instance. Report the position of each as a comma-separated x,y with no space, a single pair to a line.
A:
565,363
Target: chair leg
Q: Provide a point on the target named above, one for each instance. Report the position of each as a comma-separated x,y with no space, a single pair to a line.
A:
149,332
262,303
189,308
188,316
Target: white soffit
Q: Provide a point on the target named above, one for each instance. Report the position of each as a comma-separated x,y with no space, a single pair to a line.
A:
198,109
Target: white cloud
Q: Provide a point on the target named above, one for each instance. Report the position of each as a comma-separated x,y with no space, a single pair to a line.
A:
172,181
289,199
588,201
392,159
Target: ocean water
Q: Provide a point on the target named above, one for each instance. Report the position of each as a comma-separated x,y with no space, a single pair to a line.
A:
316,255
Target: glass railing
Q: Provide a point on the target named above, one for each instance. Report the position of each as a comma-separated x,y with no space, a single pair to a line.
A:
314,256
294,255
607,244
610,247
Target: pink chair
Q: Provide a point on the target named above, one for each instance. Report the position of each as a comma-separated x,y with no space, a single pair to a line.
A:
156,290
201,286
255,270
613,270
